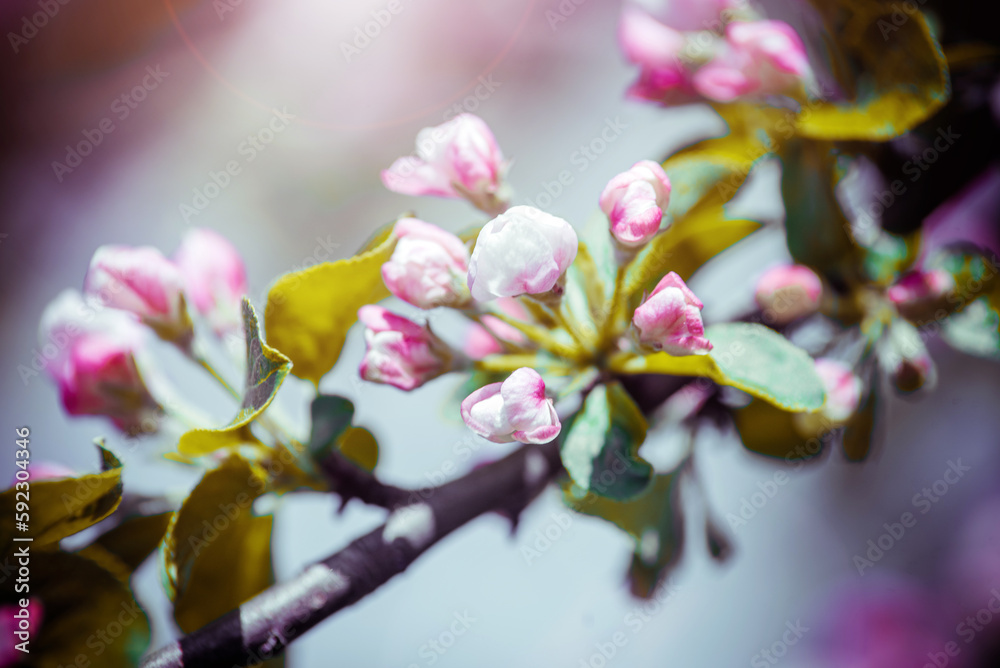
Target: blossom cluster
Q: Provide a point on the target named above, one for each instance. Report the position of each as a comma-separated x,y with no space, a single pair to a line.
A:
97,335
721,50
523,253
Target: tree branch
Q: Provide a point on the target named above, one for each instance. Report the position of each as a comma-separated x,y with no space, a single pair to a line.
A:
264,626
350,481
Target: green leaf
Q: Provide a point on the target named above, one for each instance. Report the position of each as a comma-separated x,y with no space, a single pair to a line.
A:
217,552
332,429
266,370
61,508
975,330
653,520
87,611
600,444
817,231
309,312
896,72
331,417
747,356
685,247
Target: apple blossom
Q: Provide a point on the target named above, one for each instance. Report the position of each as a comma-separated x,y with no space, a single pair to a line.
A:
95,366
842,387
635,201
483,340
428,268
215,278
921,287
788,292
522,251
670,319
657,49
457,159
757,58
514,410
400,352
143,282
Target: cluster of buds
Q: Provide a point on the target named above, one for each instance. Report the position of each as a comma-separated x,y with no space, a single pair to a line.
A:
721,50
516,269
127,291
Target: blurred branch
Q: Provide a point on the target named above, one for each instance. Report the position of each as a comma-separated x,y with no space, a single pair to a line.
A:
265,625
350,481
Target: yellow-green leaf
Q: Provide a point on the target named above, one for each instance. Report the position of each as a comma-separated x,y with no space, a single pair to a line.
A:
772,432
266,370
747,356
896,71
685,246
309,312
132,541
87,610
217,552
61,508
359,445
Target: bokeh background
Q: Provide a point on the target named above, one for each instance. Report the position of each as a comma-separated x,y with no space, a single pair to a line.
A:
549,79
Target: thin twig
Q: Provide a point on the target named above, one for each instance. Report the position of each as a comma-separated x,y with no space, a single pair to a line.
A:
264,626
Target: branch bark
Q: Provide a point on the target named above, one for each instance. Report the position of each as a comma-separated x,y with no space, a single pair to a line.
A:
350,481
264,626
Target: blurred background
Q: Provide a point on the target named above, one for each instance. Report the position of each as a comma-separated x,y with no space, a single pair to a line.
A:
312,107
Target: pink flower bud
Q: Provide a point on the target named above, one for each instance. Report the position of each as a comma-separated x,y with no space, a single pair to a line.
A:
758,58
634,202
694,15
921,287
514,410
214,277
843,389
657,49
459,158
400,352
94,364
670,319
143,282
523,251
12,620
904,357
428,267
788,292
483,341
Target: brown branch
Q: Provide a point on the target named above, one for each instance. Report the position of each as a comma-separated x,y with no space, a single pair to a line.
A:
264,626
350,481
